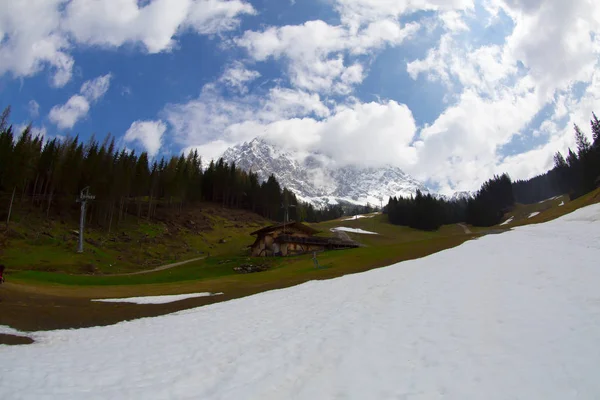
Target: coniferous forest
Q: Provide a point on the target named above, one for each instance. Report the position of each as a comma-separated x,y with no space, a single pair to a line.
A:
48,175
576,175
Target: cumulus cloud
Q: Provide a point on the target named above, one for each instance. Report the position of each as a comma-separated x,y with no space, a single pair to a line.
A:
316,52
356,12
212,117
65,116
96,88
77,107
147,133
352,132
215,16
554,40
31,39
237,76
34,109
37,34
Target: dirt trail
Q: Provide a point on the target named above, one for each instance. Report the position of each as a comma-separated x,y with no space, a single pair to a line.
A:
465,228
161,268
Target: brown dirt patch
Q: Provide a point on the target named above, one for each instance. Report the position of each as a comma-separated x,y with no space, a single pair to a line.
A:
14,340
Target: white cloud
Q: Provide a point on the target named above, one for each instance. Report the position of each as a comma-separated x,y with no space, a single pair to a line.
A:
33,108
214,16
553,39
36,34
154,24
31,40
77,107
148,133
94,89
357,12
316,52
211,116
370,134
237,76
209,151
66,116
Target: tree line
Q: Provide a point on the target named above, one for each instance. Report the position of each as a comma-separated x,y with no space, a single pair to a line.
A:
577,174
48,175
428,212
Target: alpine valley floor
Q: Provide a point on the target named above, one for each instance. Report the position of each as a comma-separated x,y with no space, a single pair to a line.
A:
515,315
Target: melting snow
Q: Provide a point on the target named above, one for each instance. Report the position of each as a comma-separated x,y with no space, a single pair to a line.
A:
353,230
551,198
158,299
475,321
508,221
562,203
533,214
358,217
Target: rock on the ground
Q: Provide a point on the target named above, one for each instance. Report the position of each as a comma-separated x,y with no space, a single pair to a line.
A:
250,268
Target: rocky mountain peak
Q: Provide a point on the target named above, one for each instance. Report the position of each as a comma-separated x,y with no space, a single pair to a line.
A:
317,180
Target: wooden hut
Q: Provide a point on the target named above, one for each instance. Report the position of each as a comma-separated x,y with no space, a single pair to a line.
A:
292,238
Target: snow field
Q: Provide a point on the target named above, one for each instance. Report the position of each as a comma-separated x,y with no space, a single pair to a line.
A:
515,315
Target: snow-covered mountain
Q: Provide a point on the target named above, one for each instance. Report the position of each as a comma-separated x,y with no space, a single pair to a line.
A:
315,178
456,196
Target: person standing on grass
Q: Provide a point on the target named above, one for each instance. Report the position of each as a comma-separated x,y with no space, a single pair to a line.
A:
1,274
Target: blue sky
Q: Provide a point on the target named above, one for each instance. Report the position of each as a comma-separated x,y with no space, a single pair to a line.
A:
451,91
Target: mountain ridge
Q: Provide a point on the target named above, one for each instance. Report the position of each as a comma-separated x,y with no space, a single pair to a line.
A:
314,178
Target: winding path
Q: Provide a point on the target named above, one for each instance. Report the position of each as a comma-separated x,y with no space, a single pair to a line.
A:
161,268
465,228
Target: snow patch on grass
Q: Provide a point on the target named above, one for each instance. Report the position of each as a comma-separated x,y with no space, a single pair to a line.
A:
508,221
358,217
353,230
533,214
158,299
551,198
562,203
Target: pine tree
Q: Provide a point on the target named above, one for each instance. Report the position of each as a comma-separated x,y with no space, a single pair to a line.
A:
595,131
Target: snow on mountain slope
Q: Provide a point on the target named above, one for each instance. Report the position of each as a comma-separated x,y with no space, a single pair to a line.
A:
476,321
315,179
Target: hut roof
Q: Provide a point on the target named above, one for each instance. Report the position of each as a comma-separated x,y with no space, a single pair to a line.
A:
292,224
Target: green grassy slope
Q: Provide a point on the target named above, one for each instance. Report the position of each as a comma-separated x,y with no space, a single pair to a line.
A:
391,245
35,244
549,209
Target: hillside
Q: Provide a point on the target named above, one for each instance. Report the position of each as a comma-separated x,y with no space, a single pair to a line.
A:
36,243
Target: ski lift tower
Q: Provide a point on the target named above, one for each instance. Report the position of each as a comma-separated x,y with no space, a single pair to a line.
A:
286,215
84,197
